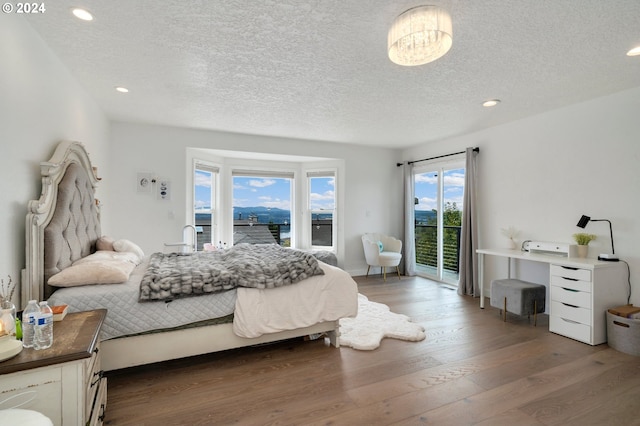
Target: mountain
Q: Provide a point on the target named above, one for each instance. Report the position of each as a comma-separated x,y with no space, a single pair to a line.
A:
264,214
424,217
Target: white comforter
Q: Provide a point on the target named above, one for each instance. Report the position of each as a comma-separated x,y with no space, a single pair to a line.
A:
327,297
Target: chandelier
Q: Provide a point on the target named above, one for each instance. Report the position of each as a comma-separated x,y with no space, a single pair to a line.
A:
420,35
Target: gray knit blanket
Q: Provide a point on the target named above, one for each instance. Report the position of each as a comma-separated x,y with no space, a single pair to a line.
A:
172,275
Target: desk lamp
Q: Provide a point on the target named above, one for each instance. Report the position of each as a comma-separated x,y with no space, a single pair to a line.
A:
603,256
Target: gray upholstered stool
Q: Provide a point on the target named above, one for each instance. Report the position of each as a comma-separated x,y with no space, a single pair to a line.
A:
518,297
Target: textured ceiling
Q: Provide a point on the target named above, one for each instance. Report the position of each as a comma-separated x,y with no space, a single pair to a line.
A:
318,69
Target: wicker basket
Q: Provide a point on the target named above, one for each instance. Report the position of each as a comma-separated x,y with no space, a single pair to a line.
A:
623,334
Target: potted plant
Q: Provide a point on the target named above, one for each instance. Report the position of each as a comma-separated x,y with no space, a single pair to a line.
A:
583,239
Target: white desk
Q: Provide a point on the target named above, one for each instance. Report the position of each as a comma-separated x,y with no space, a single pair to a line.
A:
581,290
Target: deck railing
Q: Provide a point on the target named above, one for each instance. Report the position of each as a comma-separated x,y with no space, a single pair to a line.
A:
427,247
321,233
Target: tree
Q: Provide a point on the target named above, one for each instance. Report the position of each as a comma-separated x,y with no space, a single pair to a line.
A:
451,215
426,238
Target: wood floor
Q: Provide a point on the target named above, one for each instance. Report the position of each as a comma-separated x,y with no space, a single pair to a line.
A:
471,369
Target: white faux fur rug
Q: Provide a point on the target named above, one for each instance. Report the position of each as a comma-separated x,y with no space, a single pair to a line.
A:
374,322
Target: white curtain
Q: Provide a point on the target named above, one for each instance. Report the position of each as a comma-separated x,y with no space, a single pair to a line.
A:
468,283
409,222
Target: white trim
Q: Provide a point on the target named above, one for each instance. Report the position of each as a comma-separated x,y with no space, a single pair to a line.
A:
262,173
308,212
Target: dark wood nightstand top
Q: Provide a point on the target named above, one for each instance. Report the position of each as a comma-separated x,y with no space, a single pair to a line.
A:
74,338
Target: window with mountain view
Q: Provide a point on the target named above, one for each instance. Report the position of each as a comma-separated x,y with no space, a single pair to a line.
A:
290,203
322,207
262,205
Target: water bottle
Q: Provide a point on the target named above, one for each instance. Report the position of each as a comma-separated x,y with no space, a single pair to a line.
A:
29,316
43,336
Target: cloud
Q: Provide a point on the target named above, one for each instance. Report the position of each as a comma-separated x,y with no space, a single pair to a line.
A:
202,179
261,183
277,203
199,204
327,195
426,178
450,179
454,179
324,201
426,203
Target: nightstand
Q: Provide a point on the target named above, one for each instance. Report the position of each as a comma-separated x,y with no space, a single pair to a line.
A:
64,382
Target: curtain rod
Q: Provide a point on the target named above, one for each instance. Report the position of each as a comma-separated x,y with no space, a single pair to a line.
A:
476,149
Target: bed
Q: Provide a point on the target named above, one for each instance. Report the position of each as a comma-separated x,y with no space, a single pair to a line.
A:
63,230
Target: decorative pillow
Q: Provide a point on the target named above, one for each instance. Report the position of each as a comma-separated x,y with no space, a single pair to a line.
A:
128,246
105,243
107,256
380,246
93,272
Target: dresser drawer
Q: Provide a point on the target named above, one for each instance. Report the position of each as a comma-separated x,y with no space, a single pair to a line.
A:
570,296
571,283
96,417
569,328
92,363
571,312
93,381
574,273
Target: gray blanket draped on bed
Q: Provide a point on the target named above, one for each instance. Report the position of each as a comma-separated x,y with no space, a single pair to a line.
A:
170,276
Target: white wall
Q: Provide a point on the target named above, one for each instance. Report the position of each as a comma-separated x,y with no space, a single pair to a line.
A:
373,201
538,174
542,173
40,104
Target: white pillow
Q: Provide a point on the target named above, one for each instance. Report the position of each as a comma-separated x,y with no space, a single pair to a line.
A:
107,255
93,272
128,246
104,243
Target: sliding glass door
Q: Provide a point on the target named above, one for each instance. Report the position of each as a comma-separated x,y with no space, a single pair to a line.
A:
438,218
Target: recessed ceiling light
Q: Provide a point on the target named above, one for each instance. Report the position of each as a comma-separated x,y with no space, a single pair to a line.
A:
634,52
82,14
122,89
491,103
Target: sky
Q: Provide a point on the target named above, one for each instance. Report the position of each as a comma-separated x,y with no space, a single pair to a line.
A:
267,192
264,192
426,188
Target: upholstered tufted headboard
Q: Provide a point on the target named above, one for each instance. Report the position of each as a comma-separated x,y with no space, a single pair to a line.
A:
64,224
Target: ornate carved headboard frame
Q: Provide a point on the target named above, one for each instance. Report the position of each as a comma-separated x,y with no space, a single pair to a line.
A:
65,220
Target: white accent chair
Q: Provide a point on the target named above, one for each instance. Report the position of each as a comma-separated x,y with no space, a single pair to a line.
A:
383,251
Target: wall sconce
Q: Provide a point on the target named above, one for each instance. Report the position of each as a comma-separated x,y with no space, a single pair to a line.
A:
603,256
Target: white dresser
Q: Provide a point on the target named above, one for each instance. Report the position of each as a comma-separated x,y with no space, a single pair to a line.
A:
580,298
64,382
580,292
